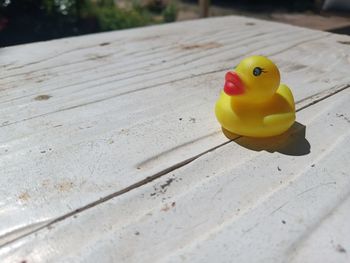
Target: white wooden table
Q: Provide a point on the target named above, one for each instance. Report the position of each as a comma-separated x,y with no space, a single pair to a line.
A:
110,151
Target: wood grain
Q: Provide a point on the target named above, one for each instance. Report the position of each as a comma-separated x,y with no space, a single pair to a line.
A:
282,199
90,118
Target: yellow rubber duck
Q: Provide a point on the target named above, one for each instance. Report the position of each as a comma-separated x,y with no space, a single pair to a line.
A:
253,102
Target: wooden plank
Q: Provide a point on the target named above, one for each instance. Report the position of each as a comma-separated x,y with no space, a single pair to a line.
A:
234,204
84,118
328,242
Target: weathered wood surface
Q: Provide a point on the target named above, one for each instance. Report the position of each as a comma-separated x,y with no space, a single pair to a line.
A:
91,118
231,205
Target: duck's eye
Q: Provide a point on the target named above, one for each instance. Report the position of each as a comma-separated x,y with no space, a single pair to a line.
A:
257,71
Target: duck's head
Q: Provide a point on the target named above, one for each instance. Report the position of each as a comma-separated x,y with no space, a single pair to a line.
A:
254,80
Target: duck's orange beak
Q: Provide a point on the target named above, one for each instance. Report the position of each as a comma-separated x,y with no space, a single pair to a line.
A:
233,84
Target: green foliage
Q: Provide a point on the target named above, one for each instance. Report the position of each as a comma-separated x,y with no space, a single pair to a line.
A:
170,12
115,18
105,3
34,20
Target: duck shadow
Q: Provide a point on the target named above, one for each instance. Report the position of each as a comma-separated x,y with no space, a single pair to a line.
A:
292,142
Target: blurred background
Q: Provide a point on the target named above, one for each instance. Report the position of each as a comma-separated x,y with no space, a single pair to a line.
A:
24,21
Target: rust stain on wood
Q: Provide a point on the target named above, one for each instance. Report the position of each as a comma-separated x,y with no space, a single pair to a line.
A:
24,197
42,97
105,44
167,207
204,46
147,38
65,186
97,56
45,183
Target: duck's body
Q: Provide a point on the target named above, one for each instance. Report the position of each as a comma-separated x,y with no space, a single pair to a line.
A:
257,120
253,117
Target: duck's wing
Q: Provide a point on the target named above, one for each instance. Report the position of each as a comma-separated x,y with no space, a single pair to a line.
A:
284,119
286,93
